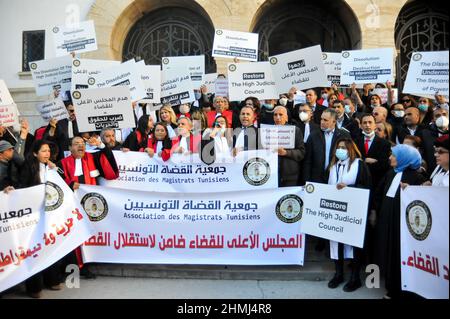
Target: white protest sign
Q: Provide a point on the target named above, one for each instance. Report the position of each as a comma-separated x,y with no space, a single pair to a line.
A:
424,241
79,39
234,44
9,115
210,82
127,74
302,69
5,96
176,87
84,69
338,215
428,74
52,74
41,225
194,64
383,94
233,228
221,87
251,79
276,136
367,66
97,109
151,78
249,170
54,109
332,64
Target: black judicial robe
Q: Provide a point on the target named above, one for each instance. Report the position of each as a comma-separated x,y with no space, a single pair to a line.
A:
388,228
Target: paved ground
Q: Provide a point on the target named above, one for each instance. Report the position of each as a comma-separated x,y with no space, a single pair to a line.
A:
148,288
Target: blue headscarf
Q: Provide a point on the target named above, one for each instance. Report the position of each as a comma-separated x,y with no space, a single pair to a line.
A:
407,156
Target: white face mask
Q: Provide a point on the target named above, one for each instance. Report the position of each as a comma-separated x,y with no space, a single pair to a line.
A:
283,101
371,134
348,109
223,130
304,116
325,96
399,114
442,122
198,95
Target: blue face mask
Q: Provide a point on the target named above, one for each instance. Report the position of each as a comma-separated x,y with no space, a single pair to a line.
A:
341,154
268,106
423,107
348,110
198,95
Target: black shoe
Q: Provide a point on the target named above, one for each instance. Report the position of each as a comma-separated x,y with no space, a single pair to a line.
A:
352,285
87,274
336,281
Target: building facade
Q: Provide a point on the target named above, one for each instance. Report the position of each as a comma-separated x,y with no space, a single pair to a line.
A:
151,29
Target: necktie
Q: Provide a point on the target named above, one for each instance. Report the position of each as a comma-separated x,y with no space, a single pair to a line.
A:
338,172
245,139
366,145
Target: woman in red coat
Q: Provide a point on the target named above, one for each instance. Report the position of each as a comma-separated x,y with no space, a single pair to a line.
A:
159,142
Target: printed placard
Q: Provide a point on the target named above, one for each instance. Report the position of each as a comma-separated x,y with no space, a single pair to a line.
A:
176,87
424,237
251,79
151,78
78,39
54,109
302,69
210,82
127,74
277,136
9,115
428,74
97,109
221,87
52,74
338,215
84,69
367,66
332,64
195,65
234,44
5,96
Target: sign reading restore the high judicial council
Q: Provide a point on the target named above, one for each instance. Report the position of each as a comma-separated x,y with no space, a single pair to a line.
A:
251,79
249,170
97,109
235,44
302,69
261,227
367,66
338,215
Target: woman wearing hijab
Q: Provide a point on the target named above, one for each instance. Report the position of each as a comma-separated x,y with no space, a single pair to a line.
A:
405,161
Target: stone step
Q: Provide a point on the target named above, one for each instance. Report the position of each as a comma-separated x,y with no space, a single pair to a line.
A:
313,271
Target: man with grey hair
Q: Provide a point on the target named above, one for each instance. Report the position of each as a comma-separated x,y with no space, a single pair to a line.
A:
319,147
289,159
380,113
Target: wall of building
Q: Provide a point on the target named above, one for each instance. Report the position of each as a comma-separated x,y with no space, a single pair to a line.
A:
113,20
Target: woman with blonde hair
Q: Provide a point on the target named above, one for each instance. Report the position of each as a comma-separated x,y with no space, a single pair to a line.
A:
167,116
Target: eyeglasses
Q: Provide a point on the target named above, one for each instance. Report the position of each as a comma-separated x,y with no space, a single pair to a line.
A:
406,101
440,151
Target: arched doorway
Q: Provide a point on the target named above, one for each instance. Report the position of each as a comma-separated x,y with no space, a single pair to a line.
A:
287,25
171,31
422,25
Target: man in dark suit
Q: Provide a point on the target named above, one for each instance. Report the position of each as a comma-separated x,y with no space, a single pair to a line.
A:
245,138
289,159
344,121
319,147
411,127
375,152
311,100
305,121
